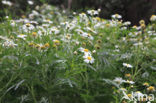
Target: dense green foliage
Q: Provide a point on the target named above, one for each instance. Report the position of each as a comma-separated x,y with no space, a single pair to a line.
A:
49,57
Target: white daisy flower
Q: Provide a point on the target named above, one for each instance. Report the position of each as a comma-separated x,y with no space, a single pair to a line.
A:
153,18
127,23
94,51
7,3
116,16
22,36
83,15
86,51
88,58
87,35
130,82
12,23
127,65
30,2
92,12
119,80
27,27
99,10
54,30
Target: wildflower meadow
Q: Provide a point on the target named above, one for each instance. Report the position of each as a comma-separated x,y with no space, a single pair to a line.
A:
48,56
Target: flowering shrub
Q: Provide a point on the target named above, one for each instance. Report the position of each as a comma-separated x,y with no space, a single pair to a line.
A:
48,57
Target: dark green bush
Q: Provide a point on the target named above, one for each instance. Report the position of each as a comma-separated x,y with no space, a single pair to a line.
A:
131,10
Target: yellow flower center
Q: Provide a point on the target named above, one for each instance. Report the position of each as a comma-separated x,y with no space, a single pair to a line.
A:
48,19
43,47
143,25
97,18
142,22
89,35
107,25
37,45
47,45
31,44
129,95
86,50
89,58
116,15
128,75
34,34
27,24
56,41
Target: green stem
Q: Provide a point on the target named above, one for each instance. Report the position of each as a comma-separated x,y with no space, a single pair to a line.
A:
87,87
33,94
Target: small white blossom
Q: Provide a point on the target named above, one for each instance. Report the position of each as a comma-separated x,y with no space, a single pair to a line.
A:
116,16
119,80
92,12
7,3
88,58
127,65
30,2
153,18
22,36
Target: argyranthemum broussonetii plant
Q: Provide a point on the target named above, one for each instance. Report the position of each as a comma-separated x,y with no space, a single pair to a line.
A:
48,57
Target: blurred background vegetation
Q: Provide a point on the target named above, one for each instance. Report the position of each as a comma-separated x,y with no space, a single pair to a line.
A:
131,10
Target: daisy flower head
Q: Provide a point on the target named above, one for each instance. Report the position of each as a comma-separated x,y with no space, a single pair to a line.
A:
54,30
127,65
119,80
27,27
151,88
146,84
22,36
116,16
7,3
99,10
127,23
128,75
92,12
90,36
34,34
56,42
83,15
142,22
30,2
83,50
75,52
12,23
94,51
47,45
88,59
129,82
153,18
